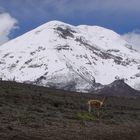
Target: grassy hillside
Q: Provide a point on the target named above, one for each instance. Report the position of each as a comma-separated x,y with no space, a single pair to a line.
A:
30,112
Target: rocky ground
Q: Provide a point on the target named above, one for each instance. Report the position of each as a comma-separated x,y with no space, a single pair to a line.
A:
30,112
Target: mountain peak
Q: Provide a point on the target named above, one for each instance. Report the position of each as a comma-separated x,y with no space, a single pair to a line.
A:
69,57
52,24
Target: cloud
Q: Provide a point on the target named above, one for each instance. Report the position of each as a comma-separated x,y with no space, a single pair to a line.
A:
133,38
95,5
7,24
67,7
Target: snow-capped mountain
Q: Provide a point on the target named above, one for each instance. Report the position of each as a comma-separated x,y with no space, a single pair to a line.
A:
79,58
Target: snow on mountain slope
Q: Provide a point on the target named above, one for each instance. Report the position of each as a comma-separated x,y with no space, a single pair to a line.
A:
77,58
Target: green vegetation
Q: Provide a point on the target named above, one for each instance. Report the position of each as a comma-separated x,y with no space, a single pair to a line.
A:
86,116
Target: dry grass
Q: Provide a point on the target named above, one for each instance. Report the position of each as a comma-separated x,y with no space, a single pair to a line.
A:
30,112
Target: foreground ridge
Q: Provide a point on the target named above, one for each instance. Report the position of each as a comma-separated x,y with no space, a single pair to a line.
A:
34,112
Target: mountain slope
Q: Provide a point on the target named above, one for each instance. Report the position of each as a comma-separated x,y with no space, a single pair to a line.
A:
29,112
118,88
76,58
